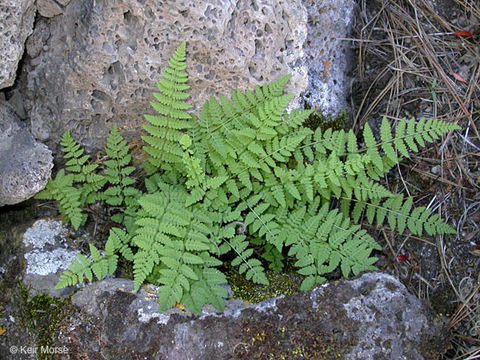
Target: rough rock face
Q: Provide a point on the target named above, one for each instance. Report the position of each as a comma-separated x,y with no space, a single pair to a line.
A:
327,56
98,62
16,24
25,165
372,317
50,8
46,256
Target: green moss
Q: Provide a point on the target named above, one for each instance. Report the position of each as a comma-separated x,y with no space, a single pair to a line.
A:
40,315
280,284
316,120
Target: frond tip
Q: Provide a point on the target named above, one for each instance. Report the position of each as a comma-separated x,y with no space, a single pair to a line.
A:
166,129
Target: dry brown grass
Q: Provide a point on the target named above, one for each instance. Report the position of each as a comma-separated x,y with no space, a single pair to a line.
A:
410,63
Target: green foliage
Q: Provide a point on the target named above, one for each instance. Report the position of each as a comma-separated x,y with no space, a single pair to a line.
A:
77,188
248,180
68,197
400,216
120,192
83,172
179,242
99,265
166,129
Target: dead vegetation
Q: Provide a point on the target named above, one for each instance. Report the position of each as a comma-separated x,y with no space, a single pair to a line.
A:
421,58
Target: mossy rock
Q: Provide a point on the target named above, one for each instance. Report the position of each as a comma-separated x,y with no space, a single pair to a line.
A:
280,284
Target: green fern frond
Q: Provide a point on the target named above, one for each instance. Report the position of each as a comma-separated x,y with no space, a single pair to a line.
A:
252,267
84,176
208,288
68,197
321,241
119,241
84,268
401,216
76,273
193,169
409,135
169,236
74,152
83,172
372,147
166,129
143,264
92,186
120,191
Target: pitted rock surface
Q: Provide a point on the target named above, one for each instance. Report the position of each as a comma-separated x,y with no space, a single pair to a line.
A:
371,317
25,165
16,24
98,62
328,56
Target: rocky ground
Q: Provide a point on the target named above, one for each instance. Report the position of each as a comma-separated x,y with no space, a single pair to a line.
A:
420,59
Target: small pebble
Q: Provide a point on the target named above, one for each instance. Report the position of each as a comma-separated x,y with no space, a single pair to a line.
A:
436,170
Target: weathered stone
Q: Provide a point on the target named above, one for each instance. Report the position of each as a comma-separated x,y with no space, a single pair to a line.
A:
16,24
98,62
48,8
37,42
63,2
102,59
51,8
46,256
25,165
328,57
15,100
372,317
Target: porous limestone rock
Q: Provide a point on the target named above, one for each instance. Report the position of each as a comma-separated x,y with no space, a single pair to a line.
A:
16,24
25,164
98,62
328,55
371,317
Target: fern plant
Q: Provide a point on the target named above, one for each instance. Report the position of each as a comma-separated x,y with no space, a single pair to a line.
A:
76,188
67,196
246,176
120,192
166,129
99,265
84,173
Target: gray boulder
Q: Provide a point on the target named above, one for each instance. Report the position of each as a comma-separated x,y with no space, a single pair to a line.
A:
25,165
16,24
371,317
98,62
